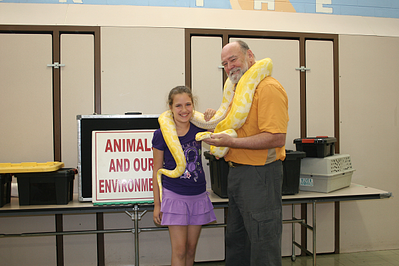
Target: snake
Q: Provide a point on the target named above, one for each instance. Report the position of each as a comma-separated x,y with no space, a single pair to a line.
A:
222,122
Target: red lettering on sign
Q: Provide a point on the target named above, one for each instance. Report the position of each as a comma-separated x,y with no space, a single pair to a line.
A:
111,166
119,165
108,146
137,184
123,188
127,145
130,185
122,165
131,145
146,147
144,185
107,186
101,185
117,145
123,185
140,145
114,185
136,165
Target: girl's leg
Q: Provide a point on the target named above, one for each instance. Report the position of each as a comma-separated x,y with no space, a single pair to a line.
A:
192,240
178,238
184,241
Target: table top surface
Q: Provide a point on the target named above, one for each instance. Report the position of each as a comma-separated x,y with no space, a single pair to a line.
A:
353,192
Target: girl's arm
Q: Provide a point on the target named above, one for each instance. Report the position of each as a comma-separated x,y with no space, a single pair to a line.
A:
209,113
158,164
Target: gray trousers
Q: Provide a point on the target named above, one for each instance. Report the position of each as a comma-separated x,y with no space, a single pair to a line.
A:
254,221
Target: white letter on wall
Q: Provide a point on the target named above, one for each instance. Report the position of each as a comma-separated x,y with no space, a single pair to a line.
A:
321,9
199,2
258,4
75,1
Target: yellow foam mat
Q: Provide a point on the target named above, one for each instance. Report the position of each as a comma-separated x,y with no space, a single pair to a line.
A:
28,167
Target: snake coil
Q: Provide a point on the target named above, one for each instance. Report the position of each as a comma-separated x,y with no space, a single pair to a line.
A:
220,122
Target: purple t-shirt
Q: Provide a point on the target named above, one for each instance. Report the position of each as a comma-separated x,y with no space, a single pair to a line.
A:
192,182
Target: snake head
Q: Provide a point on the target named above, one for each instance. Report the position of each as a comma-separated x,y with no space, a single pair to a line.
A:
203,135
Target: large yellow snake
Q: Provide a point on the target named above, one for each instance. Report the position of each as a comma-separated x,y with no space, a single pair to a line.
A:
237,116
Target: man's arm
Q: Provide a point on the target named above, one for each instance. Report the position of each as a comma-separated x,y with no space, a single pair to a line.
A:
259,141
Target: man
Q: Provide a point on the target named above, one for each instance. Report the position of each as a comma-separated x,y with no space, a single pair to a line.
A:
254,222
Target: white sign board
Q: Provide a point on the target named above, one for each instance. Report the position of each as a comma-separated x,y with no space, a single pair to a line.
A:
122,166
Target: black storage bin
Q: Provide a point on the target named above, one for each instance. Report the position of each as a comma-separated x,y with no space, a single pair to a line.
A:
219,169
45,188
5,189
292,171
318,147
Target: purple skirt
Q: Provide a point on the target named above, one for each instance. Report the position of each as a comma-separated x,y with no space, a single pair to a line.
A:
186,210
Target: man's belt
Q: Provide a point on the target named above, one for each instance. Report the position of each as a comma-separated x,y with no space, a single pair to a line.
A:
233,164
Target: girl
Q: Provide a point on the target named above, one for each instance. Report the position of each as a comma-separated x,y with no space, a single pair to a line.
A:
185,204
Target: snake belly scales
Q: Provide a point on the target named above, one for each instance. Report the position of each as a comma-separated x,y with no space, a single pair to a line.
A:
220,122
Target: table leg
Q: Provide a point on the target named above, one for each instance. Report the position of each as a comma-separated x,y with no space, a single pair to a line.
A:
314,232
304,230
293,256
59,239
100,239
337,226
136,217
226,211
136,235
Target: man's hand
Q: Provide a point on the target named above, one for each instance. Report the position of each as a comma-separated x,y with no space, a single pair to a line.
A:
219,140
262,140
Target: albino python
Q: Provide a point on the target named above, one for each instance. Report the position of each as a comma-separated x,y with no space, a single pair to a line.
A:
237,116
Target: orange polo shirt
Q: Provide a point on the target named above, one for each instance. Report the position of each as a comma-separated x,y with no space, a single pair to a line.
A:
268,113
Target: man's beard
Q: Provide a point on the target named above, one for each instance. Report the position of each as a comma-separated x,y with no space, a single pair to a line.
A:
236,73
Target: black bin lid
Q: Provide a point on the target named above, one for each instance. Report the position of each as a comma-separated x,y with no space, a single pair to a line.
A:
315,140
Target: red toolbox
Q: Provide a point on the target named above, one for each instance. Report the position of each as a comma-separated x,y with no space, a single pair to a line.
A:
318,147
